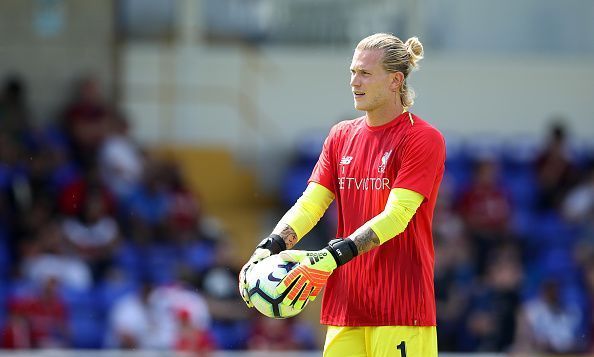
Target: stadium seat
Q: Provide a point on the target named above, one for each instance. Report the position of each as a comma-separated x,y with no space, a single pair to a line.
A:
128,259
110,291
4,256
483,147
199,256
160,262
87,330
553,232
294,183
86,319
230,335
521,187
520,152
4,294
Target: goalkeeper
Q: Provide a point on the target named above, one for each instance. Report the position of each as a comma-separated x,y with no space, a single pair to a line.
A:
384,170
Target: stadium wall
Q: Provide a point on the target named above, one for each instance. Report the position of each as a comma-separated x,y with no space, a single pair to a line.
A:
238,95
259,102
51,43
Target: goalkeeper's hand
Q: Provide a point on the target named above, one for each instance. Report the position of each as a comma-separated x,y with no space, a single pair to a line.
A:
274,244
307,279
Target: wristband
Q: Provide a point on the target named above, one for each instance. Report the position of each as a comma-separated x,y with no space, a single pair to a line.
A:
274,243
343,250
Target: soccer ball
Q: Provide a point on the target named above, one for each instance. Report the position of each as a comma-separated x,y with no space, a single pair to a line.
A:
262,281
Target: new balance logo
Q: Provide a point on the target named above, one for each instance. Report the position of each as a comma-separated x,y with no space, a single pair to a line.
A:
346,160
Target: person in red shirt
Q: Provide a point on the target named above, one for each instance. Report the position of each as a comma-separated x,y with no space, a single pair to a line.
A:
484,203
192,340
38,321
384,170
486,210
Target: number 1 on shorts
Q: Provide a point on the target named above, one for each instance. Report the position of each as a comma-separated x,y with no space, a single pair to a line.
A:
402,348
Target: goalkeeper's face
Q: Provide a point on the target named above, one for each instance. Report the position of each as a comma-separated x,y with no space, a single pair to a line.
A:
373,87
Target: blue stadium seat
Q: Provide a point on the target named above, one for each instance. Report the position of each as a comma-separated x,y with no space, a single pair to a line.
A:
4,255
457,159
199,256
87,331
108,292
230,335
553,232
127,258
160,262
4,294
522,188
86,319
484,147
295,182
582,152
78,300
458,178
519,153
523,222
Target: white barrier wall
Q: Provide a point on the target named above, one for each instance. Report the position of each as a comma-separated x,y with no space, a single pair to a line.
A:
52,43
235,96
259,103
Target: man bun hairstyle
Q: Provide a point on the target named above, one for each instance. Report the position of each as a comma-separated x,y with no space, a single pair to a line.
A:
398,57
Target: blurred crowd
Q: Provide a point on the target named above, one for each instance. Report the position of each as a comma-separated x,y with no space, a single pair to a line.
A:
103,245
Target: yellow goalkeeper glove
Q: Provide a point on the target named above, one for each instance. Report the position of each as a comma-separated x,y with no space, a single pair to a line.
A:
307,279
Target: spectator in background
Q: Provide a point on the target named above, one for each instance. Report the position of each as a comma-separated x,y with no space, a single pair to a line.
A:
548,325
73,197
486,210
45,313
454,267
447,221
555,171
85,120
94,234
184,212
11,177
589,282
578,209
279,335
218,284
454,275
190,339
150,317
492,308
132,324
15,196
168,301
15,115
121,162
49,260
147,208
16,332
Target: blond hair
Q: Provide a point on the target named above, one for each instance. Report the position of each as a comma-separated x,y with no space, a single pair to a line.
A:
398,57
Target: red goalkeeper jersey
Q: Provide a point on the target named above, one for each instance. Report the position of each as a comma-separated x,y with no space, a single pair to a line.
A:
391,285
